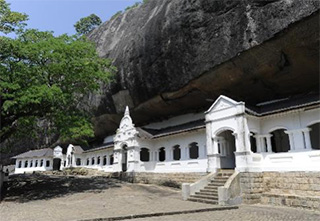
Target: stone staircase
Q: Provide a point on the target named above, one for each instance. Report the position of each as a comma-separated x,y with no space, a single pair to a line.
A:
209,194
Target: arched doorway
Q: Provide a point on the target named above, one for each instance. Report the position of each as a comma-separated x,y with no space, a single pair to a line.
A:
124,158
280,141
56,164
226,148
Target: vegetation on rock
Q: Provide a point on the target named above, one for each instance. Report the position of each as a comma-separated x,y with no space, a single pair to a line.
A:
87,24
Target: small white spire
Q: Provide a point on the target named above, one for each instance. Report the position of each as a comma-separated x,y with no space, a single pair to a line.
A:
126,112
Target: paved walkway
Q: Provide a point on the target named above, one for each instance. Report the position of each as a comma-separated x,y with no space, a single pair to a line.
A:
60,198
244,213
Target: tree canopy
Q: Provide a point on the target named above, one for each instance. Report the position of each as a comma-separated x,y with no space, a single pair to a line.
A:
87,24
9,20
48,78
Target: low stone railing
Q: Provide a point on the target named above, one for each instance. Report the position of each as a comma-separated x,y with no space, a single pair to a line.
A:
230,193
189,189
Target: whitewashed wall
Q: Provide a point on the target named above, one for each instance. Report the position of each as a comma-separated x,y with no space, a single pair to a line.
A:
298,158
33,168
185,164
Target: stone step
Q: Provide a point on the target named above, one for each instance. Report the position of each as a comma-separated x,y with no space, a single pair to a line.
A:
203,200
209,191
215,184
206,196
211,188
218,182
221,177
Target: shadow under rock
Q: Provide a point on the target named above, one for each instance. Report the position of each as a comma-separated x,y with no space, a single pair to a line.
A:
28,187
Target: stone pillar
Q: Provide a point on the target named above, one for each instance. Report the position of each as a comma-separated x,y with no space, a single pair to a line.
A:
291,140
214,157
168,154
258,143
133,158
117,160
307,139
269,146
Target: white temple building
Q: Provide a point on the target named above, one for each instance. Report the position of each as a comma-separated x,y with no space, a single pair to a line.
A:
280,135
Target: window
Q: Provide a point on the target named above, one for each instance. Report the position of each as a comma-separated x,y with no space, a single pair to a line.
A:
41,163
193,150
280,141
176,152
104,160
162,154
88,161
92,161
20,164
31,163
253,143
314,136
111,159
48,163
98,160
36,163
144,155
26,164
78,162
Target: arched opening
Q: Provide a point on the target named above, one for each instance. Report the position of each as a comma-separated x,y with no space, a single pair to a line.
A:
176,152
48,163
111,159
144,154
92,161
280,141
314,136
104,160
162,154
98,160
19,164
78,162
194,150
124,158
227,147
253,142
88,161
41,163
56,163
31,163
26,164
36,163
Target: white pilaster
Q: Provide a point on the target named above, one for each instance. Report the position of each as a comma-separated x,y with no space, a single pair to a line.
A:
306,133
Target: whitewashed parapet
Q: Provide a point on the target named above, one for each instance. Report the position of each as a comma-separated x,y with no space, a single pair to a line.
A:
230,193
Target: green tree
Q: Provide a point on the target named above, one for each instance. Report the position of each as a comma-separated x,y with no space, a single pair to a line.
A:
43,77
10,21
87,24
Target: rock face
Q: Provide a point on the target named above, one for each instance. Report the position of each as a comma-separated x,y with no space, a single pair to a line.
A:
175,55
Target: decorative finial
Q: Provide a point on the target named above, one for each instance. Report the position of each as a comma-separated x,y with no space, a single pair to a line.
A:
126,112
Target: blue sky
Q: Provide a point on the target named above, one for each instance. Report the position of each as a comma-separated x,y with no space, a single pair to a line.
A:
60,15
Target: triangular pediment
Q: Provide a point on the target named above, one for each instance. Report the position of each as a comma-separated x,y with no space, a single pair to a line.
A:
221,103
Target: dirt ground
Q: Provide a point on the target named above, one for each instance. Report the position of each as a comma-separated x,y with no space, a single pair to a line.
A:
41,197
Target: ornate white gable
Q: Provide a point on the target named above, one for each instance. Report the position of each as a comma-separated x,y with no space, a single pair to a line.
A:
222,103
126,130
57,152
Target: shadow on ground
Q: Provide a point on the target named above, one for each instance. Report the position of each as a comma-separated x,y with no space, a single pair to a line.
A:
29,187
